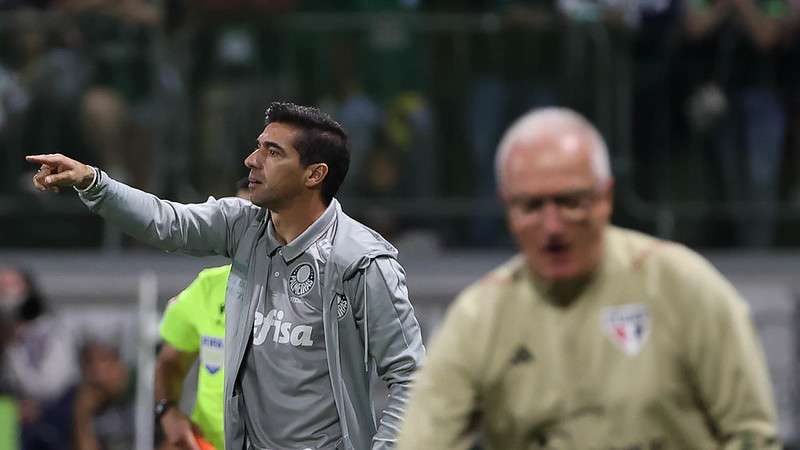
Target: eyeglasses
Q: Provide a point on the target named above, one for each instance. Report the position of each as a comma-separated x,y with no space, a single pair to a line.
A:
570,206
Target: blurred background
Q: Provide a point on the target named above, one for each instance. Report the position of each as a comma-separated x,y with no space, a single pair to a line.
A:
699,101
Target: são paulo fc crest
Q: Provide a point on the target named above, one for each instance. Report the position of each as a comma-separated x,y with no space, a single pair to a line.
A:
302,279
342,305
628,326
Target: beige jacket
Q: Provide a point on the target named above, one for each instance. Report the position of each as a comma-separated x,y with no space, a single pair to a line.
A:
657,352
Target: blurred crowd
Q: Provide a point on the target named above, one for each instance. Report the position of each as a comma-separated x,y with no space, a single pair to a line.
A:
60,388
699,100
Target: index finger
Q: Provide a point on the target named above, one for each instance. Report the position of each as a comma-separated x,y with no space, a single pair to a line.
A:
44,159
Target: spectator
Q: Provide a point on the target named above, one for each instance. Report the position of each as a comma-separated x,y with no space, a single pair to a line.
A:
9,416
116,108
9,427
230,67
49,74
620,11
40,362
103,402
654,146
736,44
790,74
515,70
385,107
13,102
232,88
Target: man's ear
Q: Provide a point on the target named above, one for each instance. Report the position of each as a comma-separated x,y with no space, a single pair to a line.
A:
315,174
606,200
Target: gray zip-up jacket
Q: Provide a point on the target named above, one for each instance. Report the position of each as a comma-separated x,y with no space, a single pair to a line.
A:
384,334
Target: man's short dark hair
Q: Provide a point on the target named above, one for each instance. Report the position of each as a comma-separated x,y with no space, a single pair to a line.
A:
321,140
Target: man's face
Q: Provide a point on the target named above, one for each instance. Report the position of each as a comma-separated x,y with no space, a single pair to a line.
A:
276,174
103,368
13,290
556,209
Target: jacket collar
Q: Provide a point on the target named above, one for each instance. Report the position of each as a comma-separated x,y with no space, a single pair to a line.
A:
301,243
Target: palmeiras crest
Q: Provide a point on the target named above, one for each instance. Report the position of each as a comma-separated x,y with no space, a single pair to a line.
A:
342,305
302,279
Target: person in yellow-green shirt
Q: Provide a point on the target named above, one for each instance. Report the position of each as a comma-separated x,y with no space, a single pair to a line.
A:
9,415
594,337
194,326
9,423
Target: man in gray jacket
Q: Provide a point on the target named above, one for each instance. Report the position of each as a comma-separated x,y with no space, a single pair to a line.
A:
315,300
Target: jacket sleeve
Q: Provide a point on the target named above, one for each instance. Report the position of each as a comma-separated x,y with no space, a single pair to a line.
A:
728,367
392,337
445,402
206,228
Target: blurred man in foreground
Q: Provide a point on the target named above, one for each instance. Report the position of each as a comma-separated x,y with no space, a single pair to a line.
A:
594,337
194,325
